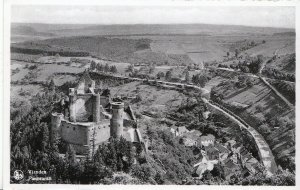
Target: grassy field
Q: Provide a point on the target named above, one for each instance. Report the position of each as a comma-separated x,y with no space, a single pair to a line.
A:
44,72
152,98
280,45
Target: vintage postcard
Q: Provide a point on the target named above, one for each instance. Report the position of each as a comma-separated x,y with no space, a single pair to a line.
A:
185,93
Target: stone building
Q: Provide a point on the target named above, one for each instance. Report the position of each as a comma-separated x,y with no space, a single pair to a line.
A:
88,117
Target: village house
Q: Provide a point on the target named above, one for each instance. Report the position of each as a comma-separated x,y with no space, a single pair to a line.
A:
206,114
191,138
181,130
204,164
223,151
207,140
230,168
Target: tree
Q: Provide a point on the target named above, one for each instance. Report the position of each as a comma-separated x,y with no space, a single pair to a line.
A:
52,85
44,136
168,75
256,64
94,172
151,69
236,52
160,74
93,65
113,69
75,170
187,77
130,68
218,171
106,68
143,172
159,178
199,80
244,69
70,154
265,129
100,67
207,175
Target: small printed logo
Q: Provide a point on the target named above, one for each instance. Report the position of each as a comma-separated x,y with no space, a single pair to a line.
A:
18,175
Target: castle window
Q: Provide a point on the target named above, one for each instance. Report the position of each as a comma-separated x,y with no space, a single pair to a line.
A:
73,128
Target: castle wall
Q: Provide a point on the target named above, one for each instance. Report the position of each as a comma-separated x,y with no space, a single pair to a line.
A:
81,149
128,123
102,132
81,87
74,133
82,136
84,107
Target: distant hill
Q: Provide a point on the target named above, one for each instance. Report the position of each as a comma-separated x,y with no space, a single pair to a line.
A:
28,31
285,34
146,29
115,49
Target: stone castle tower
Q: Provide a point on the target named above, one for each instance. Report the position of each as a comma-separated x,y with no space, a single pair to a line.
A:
116,122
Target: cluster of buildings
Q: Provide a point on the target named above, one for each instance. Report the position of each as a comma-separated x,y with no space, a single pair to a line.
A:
233,157
88,117
187,137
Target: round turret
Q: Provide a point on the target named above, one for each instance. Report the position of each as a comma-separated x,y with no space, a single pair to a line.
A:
72,108
96,108
116,122
55,124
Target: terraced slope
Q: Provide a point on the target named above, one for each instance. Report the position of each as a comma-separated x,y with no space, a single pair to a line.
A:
264,111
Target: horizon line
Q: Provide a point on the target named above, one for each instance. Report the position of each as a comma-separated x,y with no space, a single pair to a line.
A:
253,26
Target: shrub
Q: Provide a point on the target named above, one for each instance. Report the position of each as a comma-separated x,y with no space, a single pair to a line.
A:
32,67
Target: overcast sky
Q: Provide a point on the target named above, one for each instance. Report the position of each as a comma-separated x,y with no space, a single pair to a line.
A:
250,16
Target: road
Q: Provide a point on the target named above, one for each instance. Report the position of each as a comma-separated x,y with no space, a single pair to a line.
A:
277,93
263,79
248,74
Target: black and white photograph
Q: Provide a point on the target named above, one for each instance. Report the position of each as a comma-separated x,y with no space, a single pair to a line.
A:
151,95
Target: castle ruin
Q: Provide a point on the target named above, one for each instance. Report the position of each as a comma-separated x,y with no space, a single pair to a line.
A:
88,117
